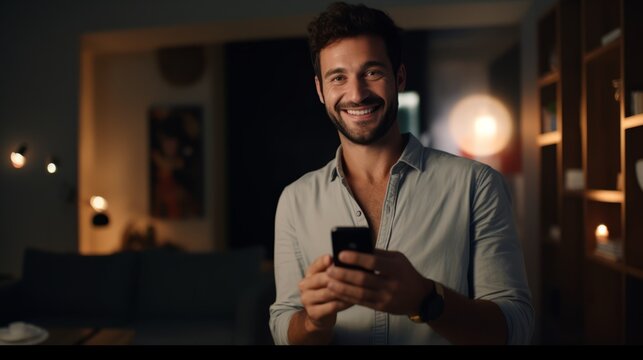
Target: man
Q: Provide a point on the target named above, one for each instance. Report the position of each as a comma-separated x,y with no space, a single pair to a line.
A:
448,267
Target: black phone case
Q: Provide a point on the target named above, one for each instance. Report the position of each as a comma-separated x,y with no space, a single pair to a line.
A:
351,238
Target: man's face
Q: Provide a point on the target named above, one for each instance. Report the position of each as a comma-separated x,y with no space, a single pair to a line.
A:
359,88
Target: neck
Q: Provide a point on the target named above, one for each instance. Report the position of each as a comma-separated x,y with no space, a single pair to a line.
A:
372,162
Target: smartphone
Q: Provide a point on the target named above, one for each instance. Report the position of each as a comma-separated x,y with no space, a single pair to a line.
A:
351,238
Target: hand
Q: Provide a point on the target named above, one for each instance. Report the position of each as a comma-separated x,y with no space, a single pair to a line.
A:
320,304
393,286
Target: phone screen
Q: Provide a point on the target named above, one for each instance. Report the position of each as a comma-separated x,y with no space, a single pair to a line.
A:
351,238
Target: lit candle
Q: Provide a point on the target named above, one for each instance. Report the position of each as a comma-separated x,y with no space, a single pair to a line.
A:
602,234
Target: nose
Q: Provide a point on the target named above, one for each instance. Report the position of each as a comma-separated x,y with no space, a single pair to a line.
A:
357,90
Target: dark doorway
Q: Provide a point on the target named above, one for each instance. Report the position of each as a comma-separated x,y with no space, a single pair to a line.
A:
277,131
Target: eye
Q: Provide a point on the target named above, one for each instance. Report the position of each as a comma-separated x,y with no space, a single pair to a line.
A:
374,74
337,78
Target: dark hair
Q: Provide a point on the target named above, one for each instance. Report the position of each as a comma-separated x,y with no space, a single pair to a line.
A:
341,20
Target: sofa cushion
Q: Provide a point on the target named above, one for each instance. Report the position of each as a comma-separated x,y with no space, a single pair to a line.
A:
182,285
74,285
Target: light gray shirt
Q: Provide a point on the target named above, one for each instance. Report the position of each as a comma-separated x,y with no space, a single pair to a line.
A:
450,216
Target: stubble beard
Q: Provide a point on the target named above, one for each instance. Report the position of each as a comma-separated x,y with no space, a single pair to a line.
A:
390,116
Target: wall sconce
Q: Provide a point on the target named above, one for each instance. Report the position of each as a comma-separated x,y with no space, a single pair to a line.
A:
52,165
99,204
18,157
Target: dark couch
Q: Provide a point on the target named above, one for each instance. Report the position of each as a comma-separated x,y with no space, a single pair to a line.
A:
167,297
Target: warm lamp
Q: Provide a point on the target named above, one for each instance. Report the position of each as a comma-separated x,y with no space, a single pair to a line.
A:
480,125
99,204
52,166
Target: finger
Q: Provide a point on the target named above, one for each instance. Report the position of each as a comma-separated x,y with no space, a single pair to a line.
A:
319,265
385,253
367,261
316,297
387,262
326,309
353,293
315,281
356,277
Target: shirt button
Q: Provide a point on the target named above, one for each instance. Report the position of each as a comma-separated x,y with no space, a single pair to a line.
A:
358,213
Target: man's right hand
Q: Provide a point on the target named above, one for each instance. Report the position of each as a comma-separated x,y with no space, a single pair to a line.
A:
315,323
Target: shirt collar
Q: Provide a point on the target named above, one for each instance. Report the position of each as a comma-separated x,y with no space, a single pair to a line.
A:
412,156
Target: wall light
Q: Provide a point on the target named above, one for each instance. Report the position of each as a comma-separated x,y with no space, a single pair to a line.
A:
18,158
480,125
52,166
99,204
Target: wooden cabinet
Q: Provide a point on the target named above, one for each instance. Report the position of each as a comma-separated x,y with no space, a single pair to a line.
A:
561,183
612,75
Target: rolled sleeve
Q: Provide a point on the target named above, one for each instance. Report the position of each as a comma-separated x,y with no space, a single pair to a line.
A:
498,265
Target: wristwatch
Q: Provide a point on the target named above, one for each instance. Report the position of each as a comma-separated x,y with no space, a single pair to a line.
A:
432,305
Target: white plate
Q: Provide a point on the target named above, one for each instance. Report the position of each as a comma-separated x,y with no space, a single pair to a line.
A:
32,335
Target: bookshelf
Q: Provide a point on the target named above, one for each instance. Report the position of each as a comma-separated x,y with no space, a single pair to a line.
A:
612,129
561,177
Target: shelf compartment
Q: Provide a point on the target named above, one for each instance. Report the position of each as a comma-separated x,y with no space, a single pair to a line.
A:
633,198
601,17
603,305
602,122
614,46
633,53
549,109
548,52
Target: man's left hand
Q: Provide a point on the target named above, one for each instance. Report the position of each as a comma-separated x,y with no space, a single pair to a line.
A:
392,285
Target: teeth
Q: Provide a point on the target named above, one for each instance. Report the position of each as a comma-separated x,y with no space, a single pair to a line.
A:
360,112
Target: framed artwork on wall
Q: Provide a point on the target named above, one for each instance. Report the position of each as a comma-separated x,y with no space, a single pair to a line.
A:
176,162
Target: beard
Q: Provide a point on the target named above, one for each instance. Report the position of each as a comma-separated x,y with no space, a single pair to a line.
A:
389,118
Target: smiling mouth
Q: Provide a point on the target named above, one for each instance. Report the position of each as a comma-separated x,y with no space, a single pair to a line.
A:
361,112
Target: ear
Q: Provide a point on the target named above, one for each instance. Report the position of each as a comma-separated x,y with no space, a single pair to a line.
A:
319,90
401,78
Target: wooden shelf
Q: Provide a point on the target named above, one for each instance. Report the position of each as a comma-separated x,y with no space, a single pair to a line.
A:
608,196
549,79
633,121
598,52
549,138
637,273
612,264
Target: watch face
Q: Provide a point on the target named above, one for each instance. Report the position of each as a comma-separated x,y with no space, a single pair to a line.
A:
432,306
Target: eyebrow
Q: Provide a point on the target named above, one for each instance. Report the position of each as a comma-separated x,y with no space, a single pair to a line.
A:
340,70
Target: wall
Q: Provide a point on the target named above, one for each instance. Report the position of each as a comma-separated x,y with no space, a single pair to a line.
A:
125,87
459,66
40,83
